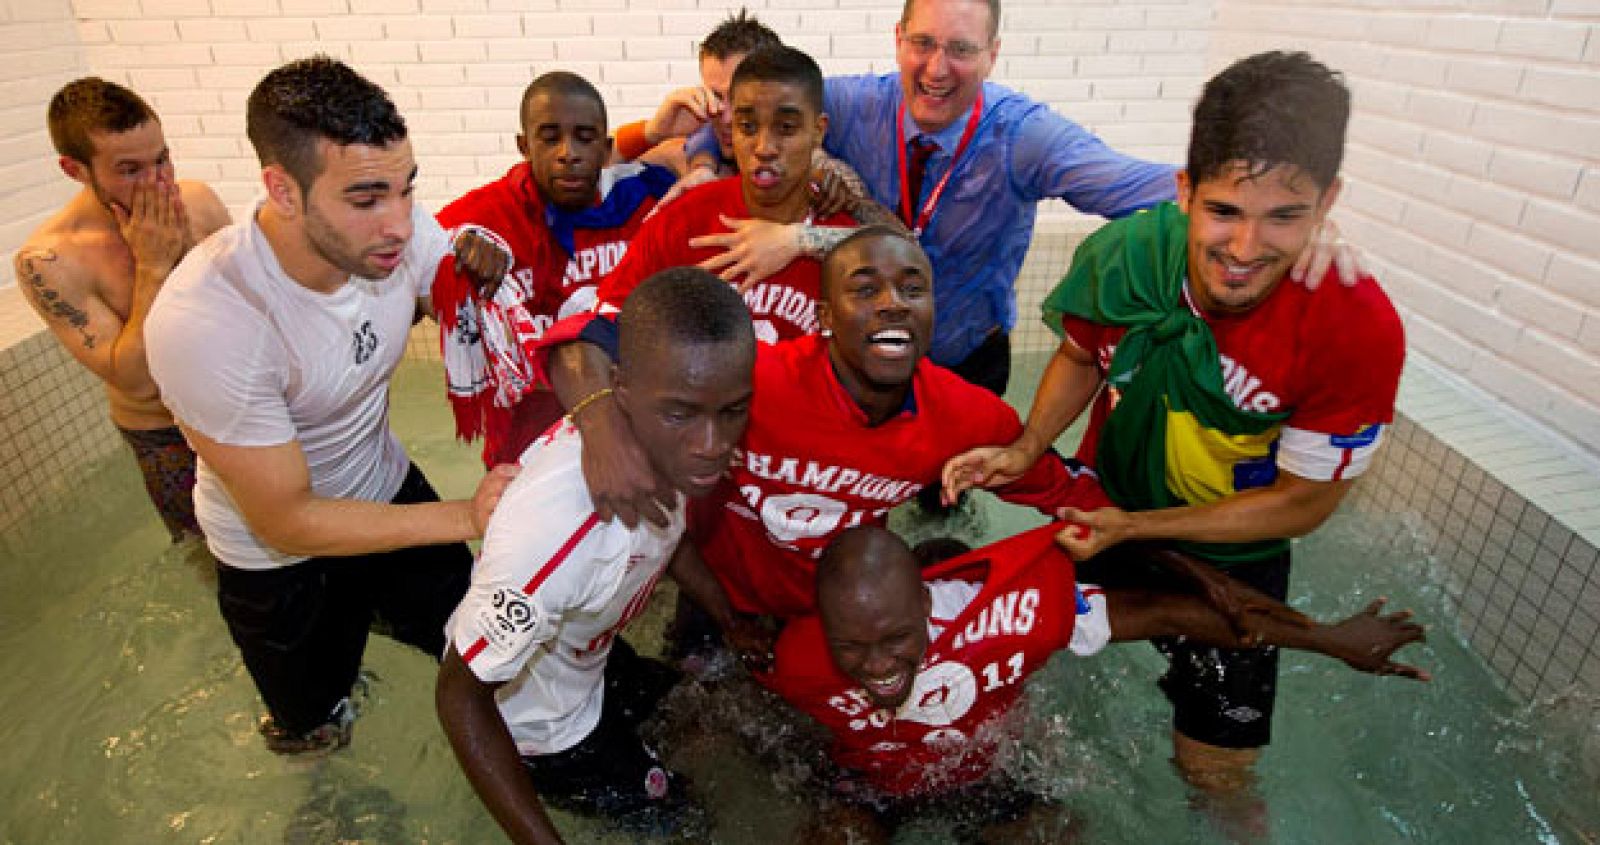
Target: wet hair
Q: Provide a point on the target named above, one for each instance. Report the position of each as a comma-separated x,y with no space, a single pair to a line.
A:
876,230
92,104
682,306
738,35
563,84
305,101
864,555
1267,110
781,64
994,15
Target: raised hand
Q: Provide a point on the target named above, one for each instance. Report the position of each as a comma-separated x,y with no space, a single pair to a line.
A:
984,467
696,176
1327,247
681,113
481,260
155,227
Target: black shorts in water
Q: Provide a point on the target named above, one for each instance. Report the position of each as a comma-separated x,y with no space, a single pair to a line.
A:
1220,696
613,773
302,628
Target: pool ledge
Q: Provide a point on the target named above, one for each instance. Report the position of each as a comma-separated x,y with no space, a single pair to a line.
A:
1509,514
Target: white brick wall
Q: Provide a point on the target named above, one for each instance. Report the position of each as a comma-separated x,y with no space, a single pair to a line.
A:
40,50
457,67
1474,161
1474,178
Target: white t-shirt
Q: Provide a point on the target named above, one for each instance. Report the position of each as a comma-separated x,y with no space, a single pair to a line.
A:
248,357
550,591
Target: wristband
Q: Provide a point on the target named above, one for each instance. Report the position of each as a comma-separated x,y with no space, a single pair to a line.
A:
631,140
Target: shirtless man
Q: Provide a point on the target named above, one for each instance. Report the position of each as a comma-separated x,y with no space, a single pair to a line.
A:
92,270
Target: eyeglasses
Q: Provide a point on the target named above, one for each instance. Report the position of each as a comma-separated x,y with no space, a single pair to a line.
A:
924,46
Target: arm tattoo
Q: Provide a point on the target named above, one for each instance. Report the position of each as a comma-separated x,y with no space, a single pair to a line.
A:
870,213
815,241
49,301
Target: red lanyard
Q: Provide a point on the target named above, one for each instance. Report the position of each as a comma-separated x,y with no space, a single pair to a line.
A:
906,200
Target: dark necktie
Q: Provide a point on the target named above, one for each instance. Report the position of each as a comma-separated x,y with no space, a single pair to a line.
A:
922,148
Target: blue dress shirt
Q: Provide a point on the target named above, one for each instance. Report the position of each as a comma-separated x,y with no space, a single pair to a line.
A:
1022,152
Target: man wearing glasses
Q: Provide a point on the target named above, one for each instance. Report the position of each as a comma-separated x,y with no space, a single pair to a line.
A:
970,161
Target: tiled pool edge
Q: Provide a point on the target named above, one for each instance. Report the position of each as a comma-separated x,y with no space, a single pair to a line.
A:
1505,527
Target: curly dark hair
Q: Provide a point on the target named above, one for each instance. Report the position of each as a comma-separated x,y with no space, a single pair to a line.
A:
1270,109
92,104
320,97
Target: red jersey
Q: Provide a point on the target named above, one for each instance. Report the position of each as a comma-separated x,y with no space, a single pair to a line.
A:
1331,358
999,613
782,306
809,467
491,390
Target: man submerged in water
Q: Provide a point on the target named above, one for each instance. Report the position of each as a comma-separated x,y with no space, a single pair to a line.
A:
914,671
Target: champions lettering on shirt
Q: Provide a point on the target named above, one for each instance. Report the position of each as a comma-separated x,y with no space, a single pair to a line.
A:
998,614
794,487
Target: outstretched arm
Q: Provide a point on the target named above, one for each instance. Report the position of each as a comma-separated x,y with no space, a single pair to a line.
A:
1070,381
272,487
1364,641
1289,507
487,754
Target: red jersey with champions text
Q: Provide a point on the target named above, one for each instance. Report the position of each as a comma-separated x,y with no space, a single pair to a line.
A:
782,306
544,278
999,613
1331,358
810,467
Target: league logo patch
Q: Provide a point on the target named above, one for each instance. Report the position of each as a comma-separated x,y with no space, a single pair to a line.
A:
1364,436
510,615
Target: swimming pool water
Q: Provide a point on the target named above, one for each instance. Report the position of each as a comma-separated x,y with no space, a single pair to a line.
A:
129,717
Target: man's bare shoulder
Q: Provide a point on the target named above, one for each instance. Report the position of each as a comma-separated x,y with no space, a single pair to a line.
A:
65,257
207,213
